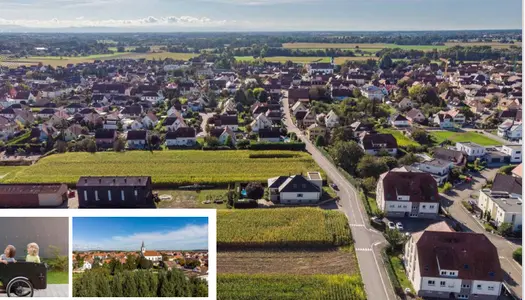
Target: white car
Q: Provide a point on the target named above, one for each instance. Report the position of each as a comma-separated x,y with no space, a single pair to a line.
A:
399,226
391,225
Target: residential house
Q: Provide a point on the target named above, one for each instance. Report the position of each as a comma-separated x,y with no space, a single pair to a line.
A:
46,113
514,152
260,122
518,171
407,194
372,92
510,130
373,143
331,120
105,138
297,107
298,95
504,201
305,119
320,67
150,120
405,103
438,168
458,158
182,136
398,120
415,116
271,135
444,264
359,128
115,192
131,111
296,189
472,150
174,122
315,130
230,121
137,139
508,104
73,132
111,122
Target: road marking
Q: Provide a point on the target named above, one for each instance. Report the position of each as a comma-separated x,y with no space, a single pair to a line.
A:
364,249
381,276
357,225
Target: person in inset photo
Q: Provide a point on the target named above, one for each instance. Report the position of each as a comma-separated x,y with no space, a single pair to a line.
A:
32,253
9,255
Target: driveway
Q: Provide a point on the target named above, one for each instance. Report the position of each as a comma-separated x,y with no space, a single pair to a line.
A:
205,117
367,241
505,247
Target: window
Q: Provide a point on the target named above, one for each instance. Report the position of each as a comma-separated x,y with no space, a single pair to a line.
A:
85,195
109,195
96,196
479,286
392,206
431,206
122,195
443,272
299,195
442,283
399,206
452,273
490,288
431,282
462,296
424,206
465,286
136,193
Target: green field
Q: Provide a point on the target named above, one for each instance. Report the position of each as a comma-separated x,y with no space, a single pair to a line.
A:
54,277
10,171
289,287
63,61
466,136
282,227
193,199
169,168
378,46
402,140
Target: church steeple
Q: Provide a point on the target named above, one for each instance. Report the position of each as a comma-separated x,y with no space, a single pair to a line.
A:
142,248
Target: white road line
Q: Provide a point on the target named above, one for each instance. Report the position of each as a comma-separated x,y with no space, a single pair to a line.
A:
357,225
364,249
380,275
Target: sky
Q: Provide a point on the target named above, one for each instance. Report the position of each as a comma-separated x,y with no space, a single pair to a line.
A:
127,233
265,15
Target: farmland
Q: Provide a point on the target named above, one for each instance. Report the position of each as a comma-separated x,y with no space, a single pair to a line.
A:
192,199
168,168
63,61
10,171
288,287
306,59
467,136
284,228
379,46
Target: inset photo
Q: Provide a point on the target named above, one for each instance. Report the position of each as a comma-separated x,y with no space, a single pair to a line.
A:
140,257
34,261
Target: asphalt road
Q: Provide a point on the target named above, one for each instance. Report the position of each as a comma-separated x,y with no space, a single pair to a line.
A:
505,247
52,290
367,241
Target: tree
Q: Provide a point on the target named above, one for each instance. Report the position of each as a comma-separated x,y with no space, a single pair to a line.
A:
145,263
319,141
192,263
79,261
447,187
243,144
408,159
390,161
370,166
505,229
385,62
119,145
91,146
229,141
421,136
356,92
121,49
61,146
240,97
395,238
212,141
369,184
346,155
341,133
517,255
254,190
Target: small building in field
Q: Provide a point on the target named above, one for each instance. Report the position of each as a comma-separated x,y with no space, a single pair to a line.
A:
32,195
296,189
115,192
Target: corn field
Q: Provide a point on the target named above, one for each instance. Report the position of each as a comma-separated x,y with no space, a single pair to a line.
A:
282,227
170,168
289,287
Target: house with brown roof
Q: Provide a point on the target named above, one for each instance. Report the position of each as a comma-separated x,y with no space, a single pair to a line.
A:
408,194
444,264
373,143
303,119
105,137
183,136
115,192
415,116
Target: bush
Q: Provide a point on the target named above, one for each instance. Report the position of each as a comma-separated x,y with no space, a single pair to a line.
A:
447,187
467,205
245,203
506,170
278,146
488,227
517,255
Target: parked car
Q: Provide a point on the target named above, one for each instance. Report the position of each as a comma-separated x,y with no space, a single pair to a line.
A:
334,186
391,225
399,226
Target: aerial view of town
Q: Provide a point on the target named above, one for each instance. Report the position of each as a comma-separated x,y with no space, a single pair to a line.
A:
360,150
140,257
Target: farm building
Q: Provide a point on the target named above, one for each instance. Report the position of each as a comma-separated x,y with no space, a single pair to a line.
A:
32,195
115,192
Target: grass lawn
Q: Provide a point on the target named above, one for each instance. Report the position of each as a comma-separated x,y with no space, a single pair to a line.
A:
169,168
399,269
371,198
467,136
7,172
328,193
193,199
402,140
54,277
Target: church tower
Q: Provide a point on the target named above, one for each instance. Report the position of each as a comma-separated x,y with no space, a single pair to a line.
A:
142,248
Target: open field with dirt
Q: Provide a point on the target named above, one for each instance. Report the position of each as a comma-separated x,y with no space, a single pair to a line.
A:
63,61
169,168
276,261
379,46
192,199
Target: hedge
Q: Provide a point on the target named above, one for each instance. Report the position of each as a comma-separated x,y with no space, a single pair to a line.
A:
278,146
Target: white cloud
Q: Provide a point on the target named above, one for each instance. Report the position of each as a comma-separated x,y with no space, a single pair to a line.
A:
181,21
261,2
190,237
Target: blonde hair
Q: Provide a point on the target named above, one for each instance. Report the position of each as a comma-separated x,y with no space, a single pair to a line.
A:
32,249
